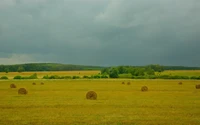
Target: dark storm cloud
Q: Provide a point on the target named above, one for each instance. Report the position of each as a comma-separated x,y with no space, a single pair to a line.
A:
100,32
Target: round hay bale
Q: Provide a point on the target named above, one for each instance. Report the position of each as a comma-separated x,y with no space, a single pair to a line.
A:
198,86
33,83
123,82
22,91
128,83
91,95
144,88
13,86
180,83
42,83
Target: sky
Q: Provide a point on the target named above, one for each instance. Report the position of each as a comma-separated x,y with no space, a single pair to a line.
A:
100,32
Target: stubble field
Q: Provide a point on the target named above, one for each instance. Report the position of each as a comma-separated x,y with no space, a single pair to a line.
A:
60,102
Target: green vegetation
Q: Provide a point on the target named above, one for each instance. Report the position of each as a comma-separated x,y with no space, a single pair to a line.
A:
145,71
34,76
4,77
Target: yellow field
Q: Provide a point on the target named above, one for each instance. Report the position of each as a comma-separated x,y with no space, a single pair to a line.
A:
11,75
182,72
63,102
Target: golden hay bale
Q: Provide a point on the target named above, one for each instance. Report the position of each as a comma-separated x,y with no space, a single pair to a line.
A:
123,82
128,83
33,83
91,95
13,86
22,91
198,86
42,83
180,83
144,88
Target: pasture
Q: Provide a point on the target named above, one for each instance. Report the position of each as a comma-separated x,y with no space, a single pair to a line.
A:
62,102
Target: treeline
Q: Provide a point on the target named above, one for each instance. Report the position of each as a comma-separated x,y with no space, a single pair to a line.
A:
180,68
149,70
46,67
70,67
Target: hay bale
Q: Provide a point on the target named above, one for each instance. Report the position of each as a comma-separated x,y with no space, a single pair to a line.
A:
144,88
42,83
13,86
123,82
198,86
91,95
33,83
180,83
128,83
22,91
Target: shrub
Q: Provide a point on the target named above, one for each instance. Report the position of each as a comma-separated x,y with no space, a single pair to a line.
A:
22,91
4,77
139,77
68,77
54,77
76,77
34,76
144,88
96,76
86,77
17,77
46,77
91,95
195,77
104,76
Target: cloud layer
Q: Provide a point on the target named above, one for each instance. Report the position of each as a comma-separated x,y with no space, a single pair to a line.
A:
100,32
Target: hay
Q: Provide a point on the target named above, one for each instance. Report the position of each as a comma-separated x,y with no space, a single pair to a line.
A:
13,86
33,83
91,95
180,83
198,86
144,88
22,91
42,83
128,83
123,82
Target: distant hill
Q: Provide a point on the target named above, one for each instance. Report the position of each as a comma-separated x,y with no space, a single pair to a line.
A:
46,67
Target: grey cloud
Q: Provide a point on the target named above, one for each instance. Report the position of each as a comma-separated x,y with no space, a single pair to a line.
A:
101,32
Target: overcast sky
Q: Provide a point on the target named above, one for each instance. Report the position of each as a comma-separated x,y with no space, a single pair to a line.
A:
100,32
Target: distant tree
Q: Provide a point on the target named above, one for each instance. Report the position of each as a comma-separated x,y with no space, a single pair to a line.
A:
138,72
114,73
20,69
149,71
105,71
122,69
6,70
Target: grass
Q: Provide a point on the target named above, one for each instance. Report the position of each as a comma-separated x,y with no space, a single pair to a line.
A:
59,102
